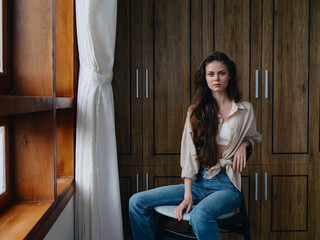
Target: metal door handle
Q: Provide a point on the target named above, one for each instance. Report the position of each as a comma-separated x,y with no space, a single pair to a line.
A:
147,83
266,83
256,186
137,83
266,186
147,181
137,182
257,83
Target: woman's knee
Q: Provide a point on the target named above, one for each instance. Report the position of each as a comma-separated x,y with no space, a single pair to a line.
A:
135,201
199,215
141,202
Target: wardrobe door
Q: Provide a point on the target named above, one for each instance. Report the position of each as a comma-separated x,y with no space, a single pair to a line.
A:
130,179
286,81
167,61
237,32
127,82
286,210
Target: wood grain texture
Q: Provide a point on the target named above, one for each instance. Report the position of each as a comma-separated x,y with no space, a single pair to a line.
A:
128,59
315,110
256,28
11,105
167,56
32,49
33,162
20,218
65,133
19,104
64,47
291,76
171,73
287,212
129,177
285,115
43,226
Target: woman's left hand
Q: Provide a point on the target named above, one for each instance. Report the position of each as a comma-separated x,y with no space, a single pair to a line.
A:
240,157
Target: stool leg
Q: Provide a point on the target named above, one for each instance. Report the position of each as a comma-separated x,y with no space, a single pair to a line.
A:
246,231
162,220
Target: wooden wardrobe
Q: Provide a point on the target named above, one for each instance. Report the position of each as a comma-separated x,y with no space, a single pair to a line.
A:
276,46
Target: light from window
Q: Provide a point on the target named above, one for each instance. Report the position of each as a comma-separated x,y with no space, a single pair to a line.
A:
1,36
2,161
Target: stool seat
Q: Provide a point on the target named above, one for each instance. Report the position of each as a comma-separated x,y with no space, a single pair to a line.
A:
168,210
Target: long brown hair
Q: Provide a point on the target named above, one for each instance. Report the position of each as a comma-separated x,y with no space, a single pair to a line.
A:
204,117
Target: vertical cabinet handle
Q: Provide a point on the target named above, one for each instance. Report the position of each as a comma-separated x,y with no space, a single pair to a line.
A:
256,186
257,83
147,83
137,182
266,84
147,181
266,186
137,83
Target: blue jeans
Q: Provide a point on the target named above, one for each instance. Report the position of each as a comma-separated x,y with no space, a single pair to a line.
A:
212,197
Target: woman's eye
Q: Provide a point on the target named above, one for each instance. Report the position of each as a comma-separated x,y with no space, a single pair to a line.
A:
210,74
222,73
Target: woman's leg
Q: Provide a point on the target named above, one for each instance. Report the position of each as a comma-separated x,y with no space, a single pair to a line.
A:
203,216
143,221
221,197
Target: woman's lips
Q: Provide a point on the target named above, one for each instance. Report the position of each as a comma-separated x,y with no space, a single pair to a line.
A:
216,85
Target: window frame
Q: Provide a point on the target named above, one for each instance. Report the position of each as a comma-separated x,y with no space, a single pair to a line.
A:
24,105
6,197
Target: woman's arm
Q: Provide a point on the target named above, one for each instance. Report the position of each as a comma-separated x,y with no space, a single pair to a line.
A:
240,157
187,202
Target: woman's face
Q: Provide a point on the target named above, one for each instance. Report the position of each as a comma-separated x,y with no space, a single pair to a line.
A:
217,76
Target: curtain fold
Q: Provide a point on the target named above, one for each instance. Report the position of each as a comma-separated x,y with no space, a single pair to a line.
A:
98,205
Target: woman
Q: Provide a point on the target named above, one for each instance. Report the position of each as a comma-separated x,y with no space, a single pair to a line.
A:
218,128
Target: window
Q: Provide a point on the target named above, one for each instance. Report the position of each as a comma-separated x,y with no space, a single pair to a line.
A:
37,115
2,161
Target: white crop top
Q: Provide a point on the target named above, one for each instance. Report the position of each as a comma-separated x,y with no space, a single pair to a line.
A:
224,135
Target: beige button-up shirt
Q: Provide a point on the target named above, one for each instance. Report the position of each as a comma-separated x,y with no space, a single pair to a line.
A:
242,126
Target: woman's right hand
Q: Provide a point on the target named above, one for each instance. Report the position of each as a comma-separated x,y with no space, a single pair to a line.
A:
185,204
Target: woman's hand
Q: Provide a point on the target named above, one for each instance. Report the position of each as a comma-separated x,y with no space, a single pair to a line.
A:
186,203
240,157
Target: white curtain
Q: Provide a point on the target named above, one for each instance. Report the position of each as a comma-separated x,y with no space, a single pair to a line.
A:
98,205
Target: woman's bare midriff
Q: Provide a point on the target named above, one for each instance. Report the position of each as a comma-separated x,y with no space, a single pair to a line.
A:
221,148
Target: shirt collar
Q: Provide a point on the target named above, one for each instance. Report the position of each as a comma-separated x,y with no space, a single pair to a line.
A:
235,107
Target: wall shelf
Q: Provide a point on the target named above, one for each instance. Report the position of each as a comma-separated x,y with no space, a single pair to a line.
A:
11,105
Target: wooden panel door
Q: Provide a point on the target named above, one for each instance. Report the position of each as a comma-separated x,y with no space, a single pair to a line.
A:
130,182
286,85
167,60
286,205
127,82
237,33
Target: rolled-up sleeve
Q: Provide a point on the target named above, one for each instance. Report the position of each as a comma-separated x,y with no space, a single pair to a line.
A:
252,135
189,164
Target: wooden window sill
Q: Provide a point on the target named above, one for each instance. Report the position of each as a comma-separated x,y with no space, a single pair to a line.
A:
33,220
12,104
